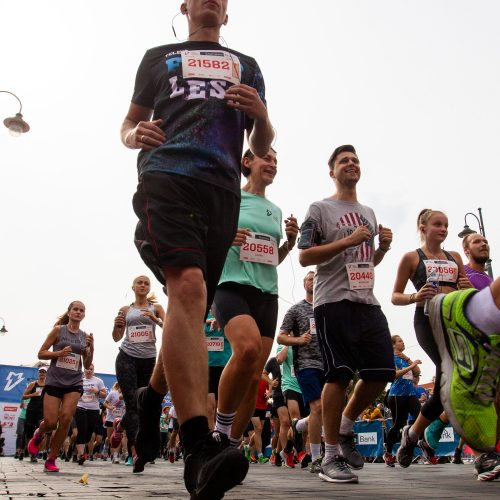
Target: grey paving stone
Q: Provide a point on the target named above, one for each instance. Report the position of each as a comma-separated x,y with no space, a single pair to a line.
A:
22,480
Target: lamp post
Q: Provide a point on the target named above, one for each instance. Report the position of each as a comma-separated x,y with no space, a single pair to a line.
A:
467,230
3,330
16,124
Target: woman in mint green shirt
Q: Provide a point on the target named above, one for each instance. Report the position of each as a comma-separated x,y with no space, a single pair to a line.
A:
246,301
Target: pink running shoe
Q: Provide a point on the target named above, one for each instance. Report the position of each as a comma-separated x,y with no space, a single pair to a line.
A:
35,443
50,465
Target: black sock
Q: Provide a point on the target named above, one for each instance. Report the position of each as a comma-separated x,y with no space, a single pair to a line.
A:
288,446
299,442
192,431
153,398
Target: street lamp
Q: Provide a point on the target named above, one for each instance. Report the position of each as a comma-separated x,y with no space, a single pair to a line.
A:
467,230
16,124
3,330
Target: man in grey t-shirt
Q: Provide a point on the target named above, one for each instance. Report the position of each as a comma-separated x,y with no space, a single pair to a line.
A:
338,236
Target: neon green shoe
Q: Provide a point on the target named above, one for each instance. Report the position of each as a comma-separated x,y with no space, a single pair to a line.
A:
470,364
263,460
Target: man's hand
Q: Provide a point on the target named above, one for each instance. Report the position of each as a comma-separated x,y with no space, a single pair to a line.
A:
305,339
246,99
146,135
360,235
384,237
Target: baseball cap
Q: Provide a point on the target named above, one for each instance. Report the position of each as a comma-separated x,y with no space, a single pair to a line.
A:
42,369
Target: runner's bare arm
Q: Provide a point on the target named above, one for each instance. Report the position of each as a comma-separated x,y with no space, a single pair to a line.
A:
138,132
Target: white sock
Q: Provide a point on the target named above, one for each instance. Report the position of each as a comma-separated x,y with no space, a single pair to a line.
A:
301,425
483,313
330,451
315,451
235,442
223,422
346,426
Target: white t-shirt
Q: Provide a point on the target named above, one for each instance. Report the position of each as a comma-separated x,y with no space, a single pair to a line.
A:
114,400
90,398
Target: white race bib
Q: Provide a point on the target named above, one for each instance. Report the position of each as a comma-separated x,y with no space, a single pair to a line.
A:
292,371
408,375
361,275
261,248
312,325
446,270
210,65
118,412
87,397
69,362
140,333
215,343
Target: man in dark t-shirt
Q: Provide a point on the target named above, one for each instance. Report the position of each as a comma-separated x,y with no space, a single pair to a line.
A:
299,331
192,104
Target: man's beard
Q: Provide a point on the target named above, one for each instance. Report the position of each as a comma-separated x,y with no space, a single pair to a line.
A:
481,260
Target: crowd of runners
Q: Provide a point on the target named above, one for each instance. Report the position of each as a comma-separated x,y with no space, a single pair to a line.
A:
215,247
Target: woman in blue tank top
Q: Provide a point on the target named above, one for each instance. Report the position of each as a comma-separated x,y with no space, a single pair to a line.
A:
432,270
64,381
402,398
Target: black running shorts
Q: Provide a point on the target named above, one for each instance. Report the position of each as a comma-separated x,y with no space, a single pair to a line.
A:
184,222
354,337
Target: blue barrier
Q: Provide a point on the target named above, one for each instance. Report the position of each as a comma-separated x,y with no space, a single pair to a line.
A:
370,439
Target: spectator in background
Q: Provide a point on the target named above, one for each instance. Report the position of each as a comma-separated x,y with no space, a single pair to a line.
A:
421,392
371,413
20,441
384,410
477,250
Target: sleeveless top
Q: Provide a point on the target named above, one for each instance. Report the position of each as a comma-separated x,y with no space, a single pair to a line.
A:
447,270
140,338
35,405
66,371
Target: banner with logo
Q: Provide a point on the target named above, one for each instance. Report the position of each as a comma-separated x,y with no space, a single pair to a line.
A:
370,439
13,382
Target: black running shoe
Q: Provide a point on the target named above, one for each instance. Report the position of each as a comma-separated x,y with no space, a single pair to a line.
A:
457,457
214,468
139,464
306,460
147,443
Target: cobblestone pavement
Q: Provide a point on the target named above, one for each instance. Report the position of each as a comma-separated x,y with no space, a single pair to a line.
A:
20,480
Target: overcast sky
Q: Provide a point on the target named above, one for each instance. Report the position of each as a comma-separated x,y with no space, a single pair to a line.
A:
412,84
